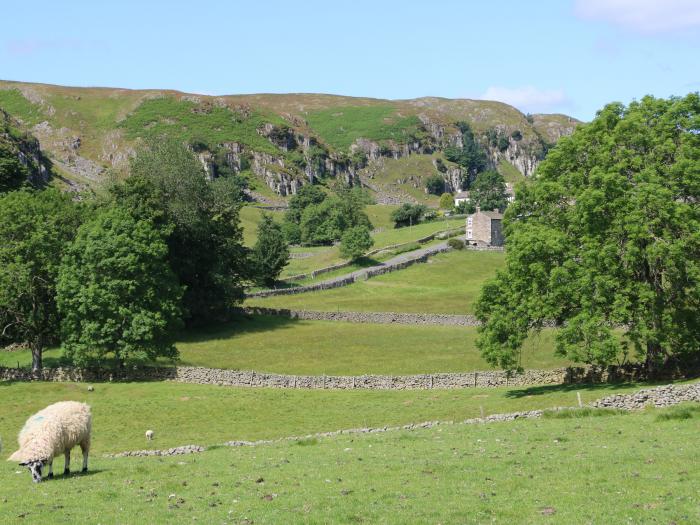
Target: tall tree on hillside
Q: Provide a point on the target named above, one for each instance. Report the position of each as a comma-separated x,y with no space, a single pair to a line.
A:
488,191
12,173
355,242
606,240
470,156
270,253
168,186
35,229
117,294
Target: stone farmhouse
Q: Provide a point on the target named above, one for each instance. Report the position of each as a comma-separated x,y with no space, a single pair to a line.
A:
485,227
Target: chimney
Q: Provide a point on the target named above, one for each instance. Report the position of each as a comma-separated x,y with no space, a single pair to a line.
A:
478,209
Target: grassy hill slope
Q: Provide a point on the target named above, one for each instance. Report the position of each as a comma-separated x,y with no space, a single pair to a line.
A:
284,140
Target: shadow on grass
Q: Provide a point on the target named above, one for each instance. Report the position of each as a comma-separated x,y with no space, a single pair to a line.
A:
573,387
238,326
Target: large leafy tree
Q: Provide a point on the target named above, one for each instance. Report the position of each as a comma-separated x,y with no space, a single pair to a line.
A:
117,294
355,242
488,191
606,242
13,174
470,156
168,187
270,253
35,229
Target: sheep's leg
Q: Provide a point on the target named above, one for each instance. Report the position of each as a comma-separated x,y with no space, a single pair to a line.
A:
51,468
66,470
85,447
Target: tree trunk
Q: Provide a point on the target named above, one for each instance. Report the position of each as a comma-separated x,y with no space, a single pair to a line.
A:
652,360
37,350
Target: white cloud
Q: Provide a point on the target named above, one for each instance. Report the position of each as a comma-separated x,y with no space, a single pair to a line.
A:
528,99
645,16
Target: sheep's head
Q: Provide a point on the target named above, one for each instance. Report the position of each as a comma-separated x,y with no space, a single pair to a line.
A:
35,467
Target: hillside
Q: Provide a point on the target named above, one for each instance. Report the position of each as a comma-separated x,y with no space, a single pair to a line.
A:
280,141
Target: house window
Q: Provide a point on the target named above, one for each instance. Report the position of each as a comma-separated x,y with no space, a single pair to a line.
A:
469,221
469,234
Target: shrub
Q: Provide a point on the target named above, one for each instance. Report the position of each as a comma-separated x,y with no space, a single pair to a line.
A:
271,252
465,207
355,242
406,248
408,214
446,201
517,135
456,243
435,184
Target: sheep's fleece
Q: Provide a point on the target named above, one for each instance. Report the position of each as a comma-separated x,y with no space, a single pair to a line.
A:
53,430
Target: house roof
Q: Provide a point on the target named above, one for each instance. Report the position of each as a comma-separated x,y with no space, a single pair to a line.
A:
492,214
462,195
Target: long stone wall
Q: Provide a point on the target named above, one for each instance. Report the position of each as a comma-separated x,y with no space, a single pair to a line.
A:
340,266
236,378
402,262
366,317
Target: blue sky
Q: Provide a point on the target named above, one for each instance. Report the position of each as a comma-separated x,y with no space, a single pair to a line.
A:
569,56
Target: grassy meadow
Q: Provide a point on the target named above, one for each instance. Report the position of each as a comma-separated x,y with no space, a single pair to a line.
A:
448,284
633,468
183,413
322,256
288,346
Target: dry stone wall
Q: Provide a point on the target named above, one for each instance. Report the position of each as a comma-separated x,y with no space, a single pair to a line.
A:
397,263
237,378
366,317
661,396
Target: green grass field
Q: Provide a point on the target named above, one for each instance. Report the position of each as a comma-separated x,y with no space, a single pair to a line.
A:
208,414
449,283
324,256
286,346
628,468
275,344
341,126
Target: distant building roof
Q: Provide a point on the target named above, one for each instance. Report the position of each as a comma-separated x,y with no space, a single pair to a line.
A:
492,214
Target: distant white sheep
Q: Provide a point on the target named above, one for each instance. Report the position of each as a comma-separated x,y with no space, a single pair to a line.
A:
51,432
149,435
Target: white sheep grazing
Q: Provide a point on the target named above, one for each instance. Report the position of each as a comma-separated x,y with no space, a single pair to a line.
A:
51,432
149,435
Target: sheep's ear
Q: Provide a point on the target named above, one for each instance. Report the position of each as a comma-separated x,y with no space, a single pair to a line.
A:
16,457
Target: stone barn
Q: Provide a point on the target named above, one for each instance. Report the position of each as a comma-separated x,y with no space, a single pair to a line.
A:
485,227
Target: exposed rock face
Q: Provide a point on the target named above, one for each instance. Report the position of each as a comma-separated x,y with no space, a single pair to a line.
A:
65,146
79,142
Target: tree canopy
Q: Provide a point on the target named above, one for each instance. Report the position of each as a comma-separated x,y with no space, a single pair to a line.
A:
605,242
117,294
201,219
35,229
355,242
408,214
488,191
270,253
